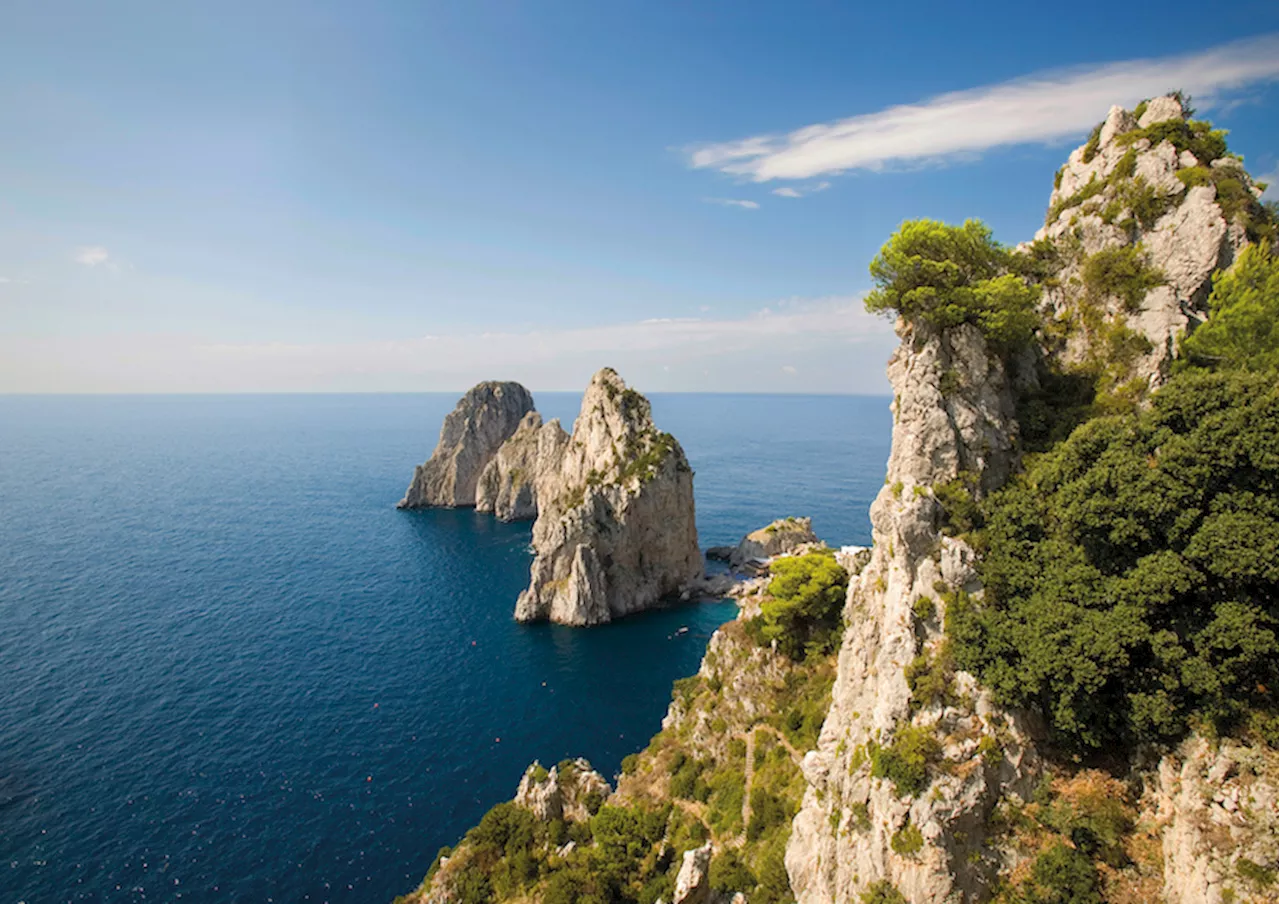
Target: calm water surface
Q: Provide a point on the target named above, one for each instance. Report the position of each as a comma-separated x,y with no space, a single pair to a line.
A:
230,670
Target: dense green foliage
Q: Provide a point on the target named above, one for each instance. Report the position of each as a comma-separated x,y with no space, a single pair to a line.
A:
803,612
883,892
1242,328
1131,572
907,759
1121,273
941,275
1196,136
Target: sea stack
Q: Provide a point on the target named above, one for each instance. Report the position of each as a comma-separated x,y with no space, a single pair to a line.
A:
615,530
509,483
473,432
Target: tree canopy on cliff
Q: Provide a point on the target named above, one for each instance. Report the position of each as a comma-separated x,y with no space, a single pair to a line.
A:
942,275
1130,573
1241,332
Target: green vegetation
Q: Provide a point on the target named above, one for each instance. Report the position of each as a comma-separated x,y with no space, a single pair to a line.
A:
907,841
1241,332
1196,136
1256,873
1091,146
803,612
907,760
1121,273
943,276
929,677
960,511
1092,188
1131,574
883,892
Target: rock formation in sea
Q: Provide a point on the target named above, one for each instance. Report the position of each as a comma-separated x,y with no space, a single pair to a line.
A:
616,530
508,485
473,432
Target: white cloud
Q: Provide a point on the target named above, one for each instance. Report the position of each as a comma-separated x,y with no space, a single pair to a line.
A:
1044,107
1270,179
91,256
788,369
789,192
733,202
844,347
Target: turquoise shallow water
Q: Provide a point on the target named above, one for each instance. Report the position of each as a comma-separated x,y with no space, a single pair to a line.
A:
230,670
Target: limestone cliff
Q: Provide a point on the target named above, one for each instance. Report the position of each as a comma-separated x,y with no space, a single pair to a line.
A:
781,536
615,530
1185,213
472,433
508,486
848,834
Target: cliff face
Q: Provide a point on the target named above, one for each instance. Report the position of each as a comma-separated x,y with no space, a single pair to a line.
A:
508,487
472,434
615,529
953,420
1181,211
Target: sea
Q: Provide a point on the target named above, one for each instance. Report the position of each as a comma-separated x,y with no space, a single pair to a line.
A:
232,670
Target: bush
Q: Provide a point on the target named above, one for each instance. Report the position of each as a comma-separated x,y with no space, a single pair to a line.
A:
1198,137
1063,875
729,874
767,811
630,763
943,276
906,761
960,512
929,677
803,612
883,892
907,841
1120,273
1130,573
1241,332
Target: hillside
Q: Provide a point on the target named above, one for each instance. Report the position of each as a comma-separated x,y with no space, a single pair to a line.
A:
1054,680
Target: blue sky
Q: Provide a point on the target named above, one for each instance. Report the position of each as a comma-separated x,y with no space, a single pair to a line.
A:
283,196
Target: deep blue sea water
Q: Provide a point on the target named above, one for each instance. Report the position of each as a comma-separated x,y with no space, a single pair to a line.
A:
230,670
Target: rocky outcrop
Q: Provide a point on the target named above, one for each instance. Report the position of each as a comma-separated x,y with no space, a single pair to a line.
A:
615,530
693,882
569,791
781,536
472,434
953,420
1186,217
1217,807
508,487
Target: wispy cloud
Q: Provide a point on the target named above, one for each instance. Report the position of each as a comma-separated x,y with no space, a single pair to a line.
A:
1044,107
788,191
844,348
1270,179
733,202
91,255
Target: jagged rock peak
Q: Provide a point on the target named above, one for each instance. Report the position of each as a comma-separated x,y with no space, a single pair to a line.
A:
568,791
953,421
615,530
508,486
472,433
1165,186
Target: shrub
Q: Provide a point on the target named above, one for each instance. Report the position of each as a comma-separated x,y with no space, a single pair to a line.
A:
906,761
883,892
767,811
729,874
1093,187
943,276
1130,573
1091,146
539,773
1198,137
1241,332
929,677
907,841
630,763
803,613
960,512
1064,875
1120,273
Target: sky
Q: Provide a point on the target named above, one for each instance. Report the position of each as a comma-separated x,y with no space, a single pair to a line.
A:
416,196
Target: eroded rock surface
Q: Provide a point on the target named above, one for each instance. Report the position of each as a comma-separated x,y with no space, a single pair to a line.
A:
472,433
508,486
1186,217
615,530
843,840
783,535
